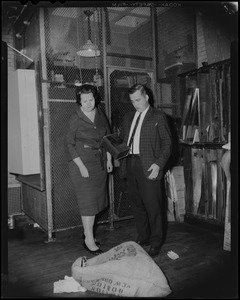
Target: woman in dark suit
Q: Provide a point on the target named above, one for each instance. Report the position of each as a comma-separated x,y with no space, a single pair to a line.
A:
88,162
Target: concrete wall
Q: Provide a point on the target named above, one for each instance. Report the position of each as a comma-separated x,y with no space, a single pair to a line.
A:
201,45
215,32
175,37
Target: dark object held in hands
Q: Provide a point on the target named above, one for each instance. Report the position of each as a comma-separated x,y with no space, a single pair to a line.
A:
115,146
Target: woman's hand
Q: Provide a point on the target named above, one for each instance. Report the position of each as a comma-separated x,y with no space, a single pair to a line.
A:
82,168
84,171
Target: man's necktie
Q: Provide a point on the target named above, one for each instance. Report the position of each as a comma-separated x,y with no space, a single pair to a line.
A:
134,130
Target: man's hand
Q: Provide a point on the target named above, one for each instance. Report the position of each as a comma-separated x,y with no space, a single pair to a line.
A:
154,169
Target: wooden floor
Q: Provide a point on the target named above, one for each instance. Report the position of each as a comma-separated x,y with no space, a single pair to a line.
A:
203,270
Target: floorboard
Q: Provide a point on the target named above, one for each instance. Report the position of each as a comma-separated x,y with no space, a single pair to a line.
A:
203,270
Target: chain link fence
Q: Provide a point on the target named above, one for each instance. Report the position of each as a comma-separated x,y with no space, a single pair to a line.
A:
124,56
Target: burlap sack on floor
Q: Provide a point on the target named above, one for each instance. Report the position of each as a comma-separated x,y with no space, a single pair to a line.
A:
125,270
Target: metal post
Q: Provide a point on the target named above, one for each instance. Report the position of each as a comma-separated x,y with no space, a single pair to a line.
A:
46,122
108,110
154,61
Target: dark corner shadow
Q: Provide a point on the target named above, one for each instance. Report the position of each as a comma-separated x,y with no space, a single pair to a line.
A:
150,95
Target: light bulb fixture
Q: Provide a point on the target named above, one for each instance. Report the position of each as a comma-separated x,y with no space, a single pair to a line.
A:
89,49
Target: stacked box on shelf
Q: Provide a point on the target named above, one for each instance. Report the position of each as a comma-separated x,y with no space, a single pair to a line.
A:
176,194
180,192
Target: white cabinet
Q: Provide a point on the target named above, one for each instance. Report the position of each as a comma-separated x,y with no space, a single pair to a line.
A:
23,133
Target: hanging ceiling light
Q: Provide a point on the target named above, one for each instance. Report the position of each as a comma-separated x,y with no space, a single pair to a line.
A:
89,49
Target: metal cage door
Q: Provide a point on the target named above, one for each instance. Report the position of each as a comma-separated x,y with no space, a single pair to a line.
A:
120,80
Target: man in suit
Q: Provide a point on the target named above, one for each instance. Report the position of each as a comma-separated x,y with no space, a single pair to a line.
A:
150,148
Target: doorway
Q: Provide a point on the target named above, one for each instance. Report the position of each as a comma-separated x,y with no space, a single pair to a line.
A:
120,80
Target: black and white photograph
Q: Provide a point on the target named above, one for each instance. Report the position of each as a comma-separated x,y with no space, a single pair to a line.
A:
119,149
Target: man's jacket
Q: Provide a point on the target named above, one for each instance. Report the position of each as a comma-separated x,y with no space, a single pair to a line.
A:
155,140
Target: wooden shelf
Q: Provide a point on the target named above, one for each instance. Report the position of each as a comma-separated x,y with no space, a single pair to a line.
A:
207,145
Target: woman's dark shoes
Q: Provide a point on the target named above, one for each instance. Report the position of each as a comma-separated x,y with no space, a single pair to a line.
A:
96,241
94,252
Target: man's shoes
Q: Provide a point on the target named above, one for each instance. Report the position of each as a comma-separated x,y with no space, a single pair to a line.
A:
94,252
154,251
143,243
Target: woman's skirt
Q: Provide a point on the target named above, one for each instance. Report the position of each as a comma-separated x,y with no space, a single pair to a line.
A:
91,192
